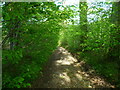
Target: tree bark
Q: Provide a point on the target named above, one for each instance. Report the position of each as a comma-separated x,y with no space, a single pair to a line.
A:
115,19
83,22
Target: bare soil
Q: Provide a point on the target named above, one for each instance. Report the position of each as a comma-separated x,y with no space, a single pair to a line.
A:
64,71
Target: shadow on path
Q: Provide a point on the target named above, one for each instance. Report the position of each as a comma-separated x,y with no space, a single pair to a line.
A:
63,71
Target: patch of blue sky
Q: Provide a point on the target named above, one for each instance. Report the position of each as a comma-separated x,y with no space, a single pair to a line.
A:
92,6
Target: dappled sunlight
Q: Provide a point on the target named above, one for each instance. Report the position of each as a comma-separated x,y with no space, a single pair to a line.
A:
66,72
61,62
65,76
71,73
79,77
66,58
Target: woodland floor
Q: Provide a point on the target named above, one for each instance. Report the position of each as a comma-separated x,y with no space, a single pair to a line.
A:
63,71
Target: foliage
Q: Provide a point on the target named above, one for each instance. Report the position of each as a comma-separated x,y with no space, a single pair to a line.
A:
33,30
100,48
30,35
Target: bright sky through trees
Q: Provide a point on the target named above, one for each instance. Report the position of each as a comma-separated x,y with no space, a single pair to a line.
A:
91,3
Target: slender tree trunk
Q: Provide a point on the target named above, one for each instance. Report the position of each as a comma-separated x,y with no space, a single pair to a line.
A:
83,21
115,19
14,36
116,13
83,15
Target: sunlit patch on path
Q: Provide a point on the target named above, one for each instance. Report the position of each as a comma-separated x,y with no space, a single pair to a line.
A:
64,71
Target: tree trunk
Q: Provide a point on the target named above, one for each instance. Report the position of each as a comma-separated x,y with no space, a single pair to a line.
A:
14,36
83,15
115,19
83,22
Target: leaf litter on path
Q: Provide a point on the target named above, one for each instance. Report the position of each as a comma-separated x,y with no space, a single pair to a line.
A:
63,71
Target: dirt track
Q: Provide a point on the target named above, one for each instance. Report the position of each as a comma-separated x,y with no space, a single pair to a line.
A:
63,71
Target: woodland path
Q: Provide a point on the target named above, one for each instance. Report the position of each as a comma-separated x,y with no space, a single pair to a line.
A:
63,71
